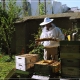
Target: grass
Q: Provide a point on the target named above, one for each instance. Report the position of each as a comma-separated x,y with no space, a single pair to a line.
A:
5,67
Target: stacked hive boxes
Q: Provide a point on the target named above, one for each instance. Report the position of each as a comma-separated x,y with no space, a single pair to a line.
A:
70,58
26,61
46,67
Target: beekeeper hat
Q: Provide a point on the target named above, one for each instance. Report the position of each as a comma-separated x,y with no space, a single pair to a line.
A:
46,21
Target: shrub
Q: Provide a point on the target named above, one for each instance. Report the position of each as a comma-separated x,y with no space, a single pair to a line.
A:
37,49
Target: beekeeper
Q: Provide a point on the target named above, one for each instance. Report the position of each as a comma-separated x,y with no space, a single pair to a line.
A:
50,36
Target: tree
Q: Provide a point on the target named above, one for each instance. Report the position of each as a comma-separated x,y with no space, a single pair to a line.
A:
41,9
25,8
11,13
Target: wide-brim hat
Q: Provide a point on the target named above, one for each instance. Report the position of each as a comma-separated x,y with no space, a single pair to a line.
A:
46,21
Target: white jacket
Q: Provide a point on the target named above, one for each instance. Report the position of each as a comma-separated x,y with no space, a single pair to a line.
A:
53,32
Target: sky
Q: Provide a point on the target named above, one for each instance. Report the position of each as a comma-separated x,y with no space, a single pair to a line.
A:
71,3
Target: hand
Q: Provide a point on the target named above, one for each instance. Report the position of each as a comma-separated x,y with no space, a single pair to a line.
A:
55,39
37,43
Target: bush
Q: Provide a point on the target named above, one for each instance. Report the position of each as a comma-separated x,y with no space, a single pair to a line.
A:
37,49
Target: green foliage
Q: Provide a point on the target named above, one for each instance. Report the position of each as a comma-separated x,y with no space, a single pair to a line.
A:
37,49
5,67
68,31
41,9
12,9
38,33
25,5
7,17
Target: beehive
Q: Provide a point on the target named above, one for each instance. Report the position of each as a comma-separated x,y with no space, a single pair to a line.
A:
56,66
70,58
25,61
42,67
70,72
46,67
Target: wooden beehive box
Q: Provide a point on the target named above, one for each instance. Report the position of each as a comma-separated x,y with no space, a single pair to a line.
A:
70,72
70,58
56,66
70,49
25,61
43,67
69,55
70,62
